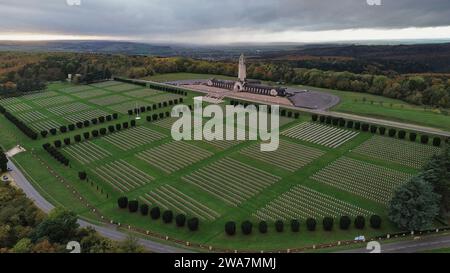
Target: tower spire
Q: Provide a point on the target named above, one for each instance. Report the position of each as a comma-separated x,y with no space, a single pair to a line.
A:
242,75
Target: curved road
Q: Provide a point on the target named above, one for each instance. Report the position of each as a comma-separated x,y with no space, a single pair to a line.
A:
107,231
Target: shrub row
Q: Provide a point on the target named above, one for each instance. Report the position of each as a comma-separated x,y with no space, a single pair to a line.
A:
56,154
80,124
155,106
167,216
19,124
311,224
391,132
95,133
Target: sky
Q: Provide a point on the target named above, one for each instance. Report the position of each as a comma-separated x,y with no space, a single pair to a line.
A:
224,21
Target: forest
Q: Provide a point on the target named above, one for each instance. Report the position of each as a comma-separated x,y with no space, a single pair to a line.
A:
30,71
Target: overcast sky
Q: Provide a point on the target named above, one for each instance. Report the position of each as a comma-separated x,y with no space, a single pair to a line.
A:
225,21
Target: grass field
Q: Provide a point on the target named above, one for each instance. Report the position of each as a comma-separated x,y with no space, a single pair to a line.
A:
214,181
354,103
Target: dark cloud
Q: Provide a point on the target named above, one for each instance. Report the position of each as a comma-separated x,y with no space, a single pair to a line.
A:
153,19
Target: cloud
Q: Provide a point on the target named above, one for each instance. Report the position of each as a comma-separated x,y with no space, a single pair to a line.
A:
169,19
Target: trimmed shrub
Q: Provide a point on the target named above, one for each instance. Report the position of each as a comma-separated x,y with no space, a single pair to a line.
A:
341,122
230,228
350,124
345,222
437,141
155,213
53,131
328,223
95,133
311,224
246,227
357,125
133,206
71,127
122,202
77,138
144,209
63,129
133,123
401,134
86,135
79,125
180,220
167,216
279,226
262,227
82,175
412,136
392,132
314,117
86,123
360,222
67,141
375,221
57,143
295,225
424,139
335,121
102,131
365,127
373,129
322,119
44,133
382,130
193,224
115,116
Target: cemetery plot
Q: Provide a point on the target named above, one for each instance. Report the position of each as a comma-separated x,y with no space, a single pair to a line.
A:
163,97
165,123
141,93
398,151
221,180
86,152
173,156
132,138
325,135
40,95
52,101
90,93
124,107
87,115
289,156
45,125
122,176
122,87
364,179
19,107
301,202
169,197
9,101
76,89
31,116
63,110
114,99
105,84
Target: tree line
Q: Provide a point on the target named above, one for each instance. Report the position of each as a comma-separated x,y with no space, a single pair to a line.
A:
419,89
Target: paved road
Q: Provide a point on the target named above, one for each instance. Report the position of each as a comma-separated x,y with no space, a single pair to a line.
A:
107,231
410,246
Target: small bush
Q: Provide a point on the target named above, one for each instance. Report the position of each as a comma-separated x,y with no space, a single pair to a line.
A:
262,227
133,206
144,209
180,220
230,228
193,224
375,221
311,224
345,222
167,216
279,226
295,225
122,202
246,227
155,213
328,223
360,222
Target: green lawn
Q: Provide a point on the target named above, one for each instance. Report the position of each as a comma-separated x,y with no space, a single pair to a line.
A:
355,103
101,189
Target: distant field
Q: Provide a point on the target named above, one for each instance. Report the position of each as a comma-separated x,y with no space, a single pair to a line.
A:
217,182
354,103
